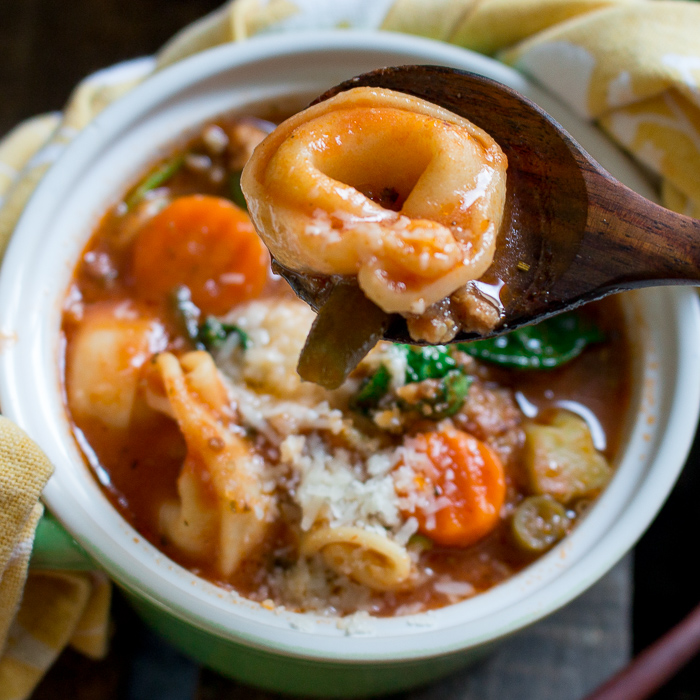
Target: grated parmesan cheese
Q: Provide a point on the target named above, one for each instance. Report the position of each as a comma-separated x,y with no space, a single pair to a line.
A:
331,473
277,331
332,488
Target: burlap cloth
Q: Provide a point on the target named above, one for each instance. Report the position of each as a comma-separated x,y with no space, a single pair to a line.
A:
632,66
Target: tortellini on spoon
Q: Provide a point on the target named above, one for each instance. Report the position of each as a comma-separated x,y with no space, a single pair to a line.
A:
389,191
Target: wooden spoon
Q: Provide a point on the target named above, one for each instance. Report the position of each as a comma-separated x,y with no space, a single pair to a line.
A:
571,233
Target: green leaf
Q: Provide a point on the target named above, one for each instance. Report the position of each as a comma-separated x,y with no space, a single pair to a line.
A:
431,362
235,191
213,333
156,178
428,363
454,387
449,398
372,390
548,344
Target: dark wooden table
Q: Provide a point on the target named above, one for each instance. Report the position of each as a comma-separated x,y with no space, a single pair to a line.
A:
46,47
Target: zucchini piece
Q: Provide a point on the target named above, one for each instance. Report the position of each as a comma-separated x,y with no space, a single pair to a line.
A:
539,522
561,460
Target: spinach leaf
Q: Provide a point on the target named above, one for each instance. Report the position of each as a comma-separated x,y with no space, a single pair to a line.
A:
422,363
156,178
548,344
431,362
213,333
448,399
372,390
454,388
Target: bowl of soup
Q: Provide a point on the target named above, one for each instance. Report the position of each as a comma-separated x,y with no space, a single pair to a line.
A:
339,542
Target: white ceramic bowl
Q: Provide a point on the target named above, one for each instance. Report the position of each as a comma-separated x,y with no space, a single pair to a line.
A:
207,621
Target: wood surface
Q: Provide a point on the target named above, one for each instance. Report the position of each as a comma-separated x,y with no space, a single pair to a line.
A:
46,47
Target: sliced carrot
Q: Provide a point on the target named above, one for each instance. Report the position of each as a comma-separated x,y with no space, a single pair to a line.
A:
465,485
205,243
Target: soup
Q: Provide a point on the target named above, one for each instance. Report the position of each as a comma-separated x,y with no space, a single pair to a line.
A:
429,476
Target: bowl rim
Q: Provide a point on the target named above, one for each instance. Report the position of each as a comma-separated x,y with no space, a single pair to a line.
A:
130,560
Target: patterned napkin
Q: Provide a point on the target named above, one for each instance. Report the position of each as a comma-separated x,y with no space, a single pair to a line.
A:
631,66
56,607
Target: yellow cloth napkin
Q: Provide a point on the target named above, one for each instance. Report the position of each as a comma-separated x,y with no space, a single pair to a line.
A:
39,618
632,66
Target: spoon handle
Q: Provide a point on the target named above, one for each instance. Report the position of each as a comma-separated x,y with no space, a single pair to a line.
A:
655,665
640,243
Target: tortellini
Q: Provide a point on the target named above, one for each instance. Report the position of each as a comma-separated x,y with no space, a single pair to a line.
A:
222,512
104,362
404,195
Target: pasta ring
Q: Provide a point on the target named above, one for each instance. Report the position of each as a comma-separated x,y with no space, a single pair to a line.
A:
366,557
403,194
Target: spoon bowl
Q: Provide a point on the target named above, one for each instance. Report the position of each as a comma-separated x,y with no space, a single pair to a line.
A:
571,232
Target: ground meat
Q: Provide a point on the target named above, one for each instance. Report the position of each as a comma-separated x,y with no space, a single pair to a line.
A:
466,311
473,312
489,412
436,325
492,415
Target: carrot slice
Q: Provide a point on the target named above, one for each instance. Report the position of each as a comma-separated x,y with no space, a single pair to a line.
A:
465,483
205,243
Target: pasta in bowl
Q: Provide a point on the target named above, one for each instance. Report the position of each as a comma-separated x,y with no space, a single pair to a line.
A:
429,476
